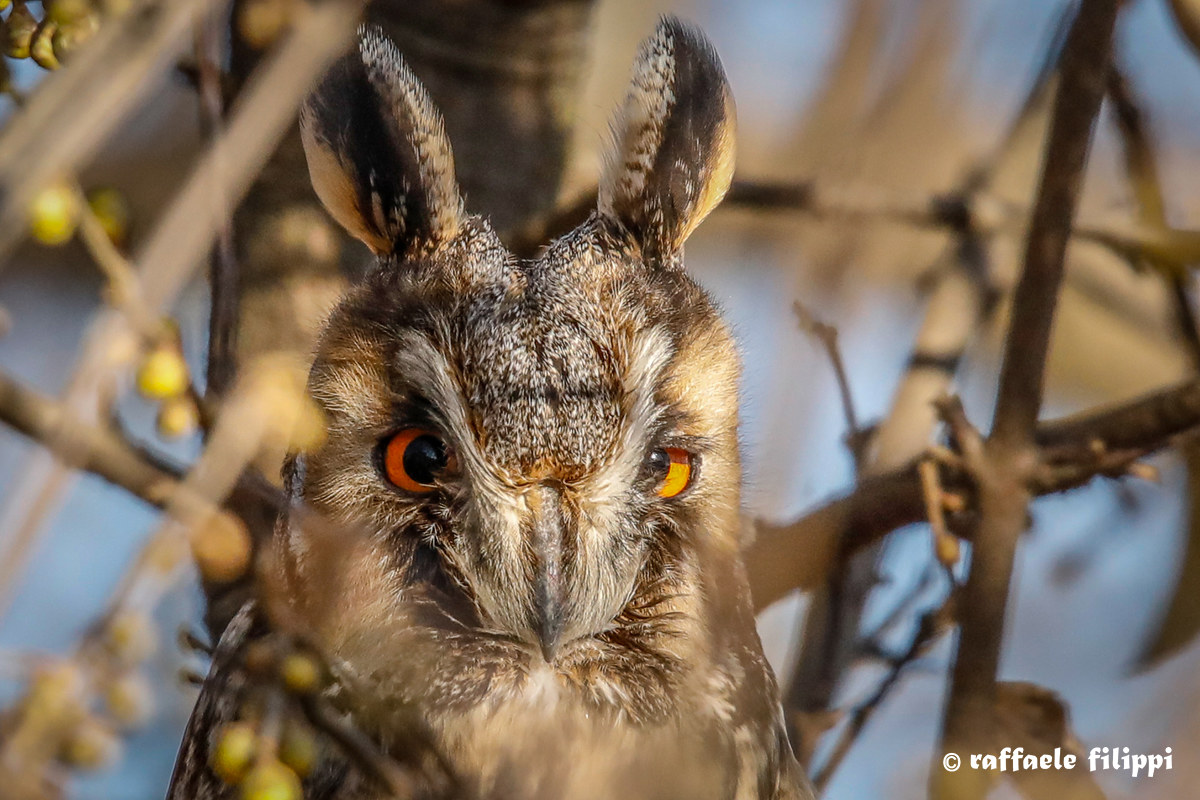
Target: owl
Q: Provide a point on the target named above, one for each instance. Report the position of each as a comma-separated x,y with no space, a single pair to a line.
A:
539,462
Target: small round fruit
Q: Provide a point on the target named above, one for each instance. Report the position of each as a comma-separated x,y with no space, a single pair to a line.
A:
260,22
271,780
90,745
177,417
130,700
41,47
298,749
300,673
221,548
71,35
55,691
19,29
54,214
112,210
130,637
67,11
237,744
162,374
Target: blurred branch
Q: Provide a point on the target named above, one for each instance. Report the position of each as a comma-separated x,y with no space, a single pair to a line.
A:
358,747
951,212
267,106
90,448
796,555
959,302
931,625
74,109
1005,465
1141,167
222,267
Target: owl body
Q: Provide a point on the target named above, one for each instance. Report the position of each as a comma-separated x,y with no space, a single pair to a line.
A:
533,464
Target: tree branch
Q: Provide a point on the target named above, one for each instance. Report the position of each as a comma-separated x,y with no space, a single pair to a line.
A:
796,555
223,277
1008,460
93,449
76,108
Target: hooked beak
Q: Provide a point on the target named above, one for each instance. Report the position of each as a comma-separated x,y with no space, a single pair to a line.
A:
550,589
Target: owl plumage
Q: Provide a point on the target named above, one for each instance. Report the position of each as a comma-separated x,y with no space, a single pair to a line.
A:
539,462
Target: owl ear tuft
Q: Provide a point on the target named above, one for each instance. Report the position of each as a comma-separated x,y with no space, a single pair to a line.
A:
378,154
674,141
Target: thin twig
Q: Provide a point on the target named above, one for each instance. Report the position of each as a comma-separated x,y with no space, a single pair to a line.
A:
1141,167
931,625
124,289
358,747
950,212
827,335
83,446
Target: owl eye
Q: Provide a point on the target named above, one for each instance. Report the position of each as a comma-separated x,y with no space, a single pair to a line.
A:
673,465
414,458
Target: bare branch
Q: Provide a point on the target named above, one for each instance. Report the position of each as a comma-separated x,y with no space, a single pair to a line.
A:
827,335
86,447
223,278
75,109
931,625
1010,453
1141,167
798,554
268,105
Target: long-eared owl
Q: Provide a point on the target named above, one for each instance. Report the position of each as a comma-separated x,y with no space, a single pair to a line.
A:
539,459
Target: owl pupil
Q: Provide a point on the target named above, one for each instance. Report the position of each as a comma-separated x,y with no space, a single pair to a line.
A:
424,458
660,462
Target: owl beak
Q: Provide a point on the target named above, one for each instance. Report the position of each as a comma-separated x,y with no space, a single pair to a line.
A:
550,627
550,589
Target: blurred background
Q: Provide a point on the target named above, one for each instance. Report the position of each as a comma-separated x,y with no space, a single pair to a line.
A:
904,97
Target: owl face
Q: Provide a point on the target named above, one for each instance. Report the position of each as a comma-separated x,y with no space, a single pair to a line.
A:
537,443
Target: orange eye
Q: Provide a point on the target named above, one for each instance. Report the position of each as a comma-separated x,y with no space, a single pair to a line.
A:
414,458
674,465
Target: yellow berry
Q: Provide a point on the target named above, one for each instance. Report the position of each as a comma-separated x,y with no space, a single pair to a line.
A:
54,214
298,749
130,637
221,548
55,692
301,674
177,417
64,11
19,29
271,780
71,34
261,21
5,4
162,374
130,700
41,47
90,745
236,746
112,210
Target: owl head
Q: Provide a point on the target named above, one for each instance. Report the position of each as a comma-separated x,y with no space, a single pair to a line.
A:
542,443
